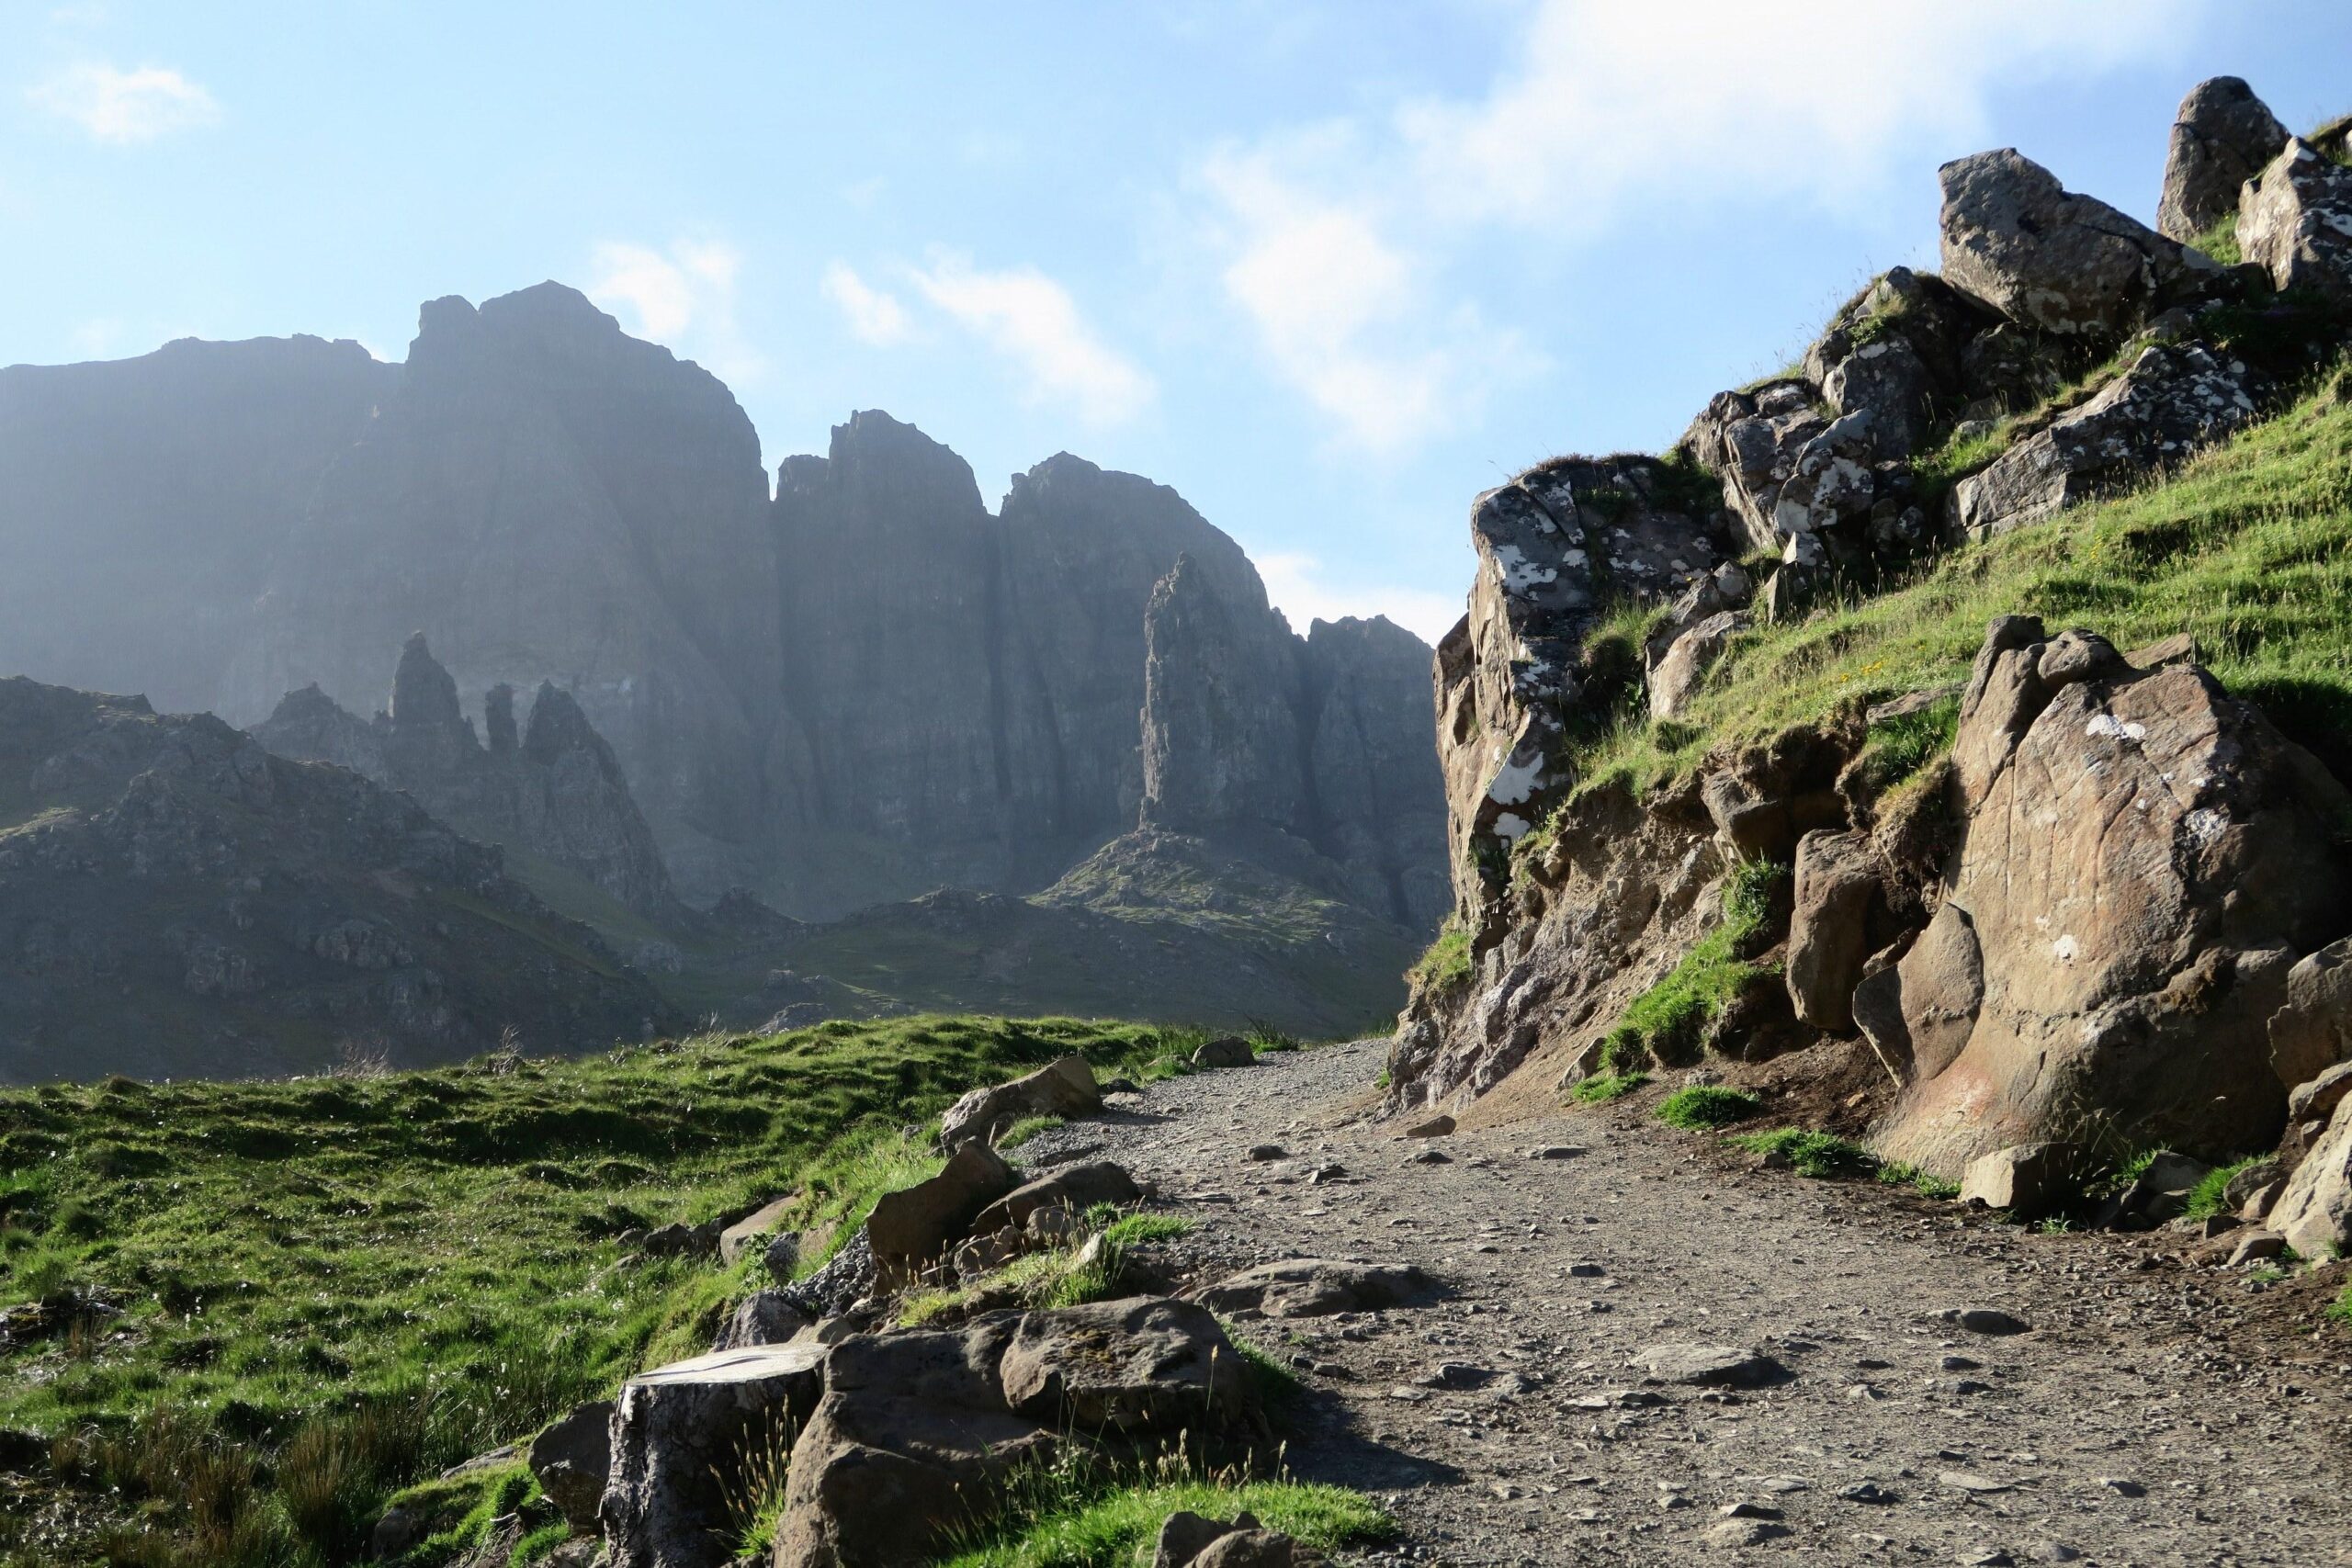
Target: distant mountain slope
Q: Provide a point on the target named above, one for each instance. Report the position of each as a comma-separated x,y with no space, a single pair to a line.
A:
862,689
176,899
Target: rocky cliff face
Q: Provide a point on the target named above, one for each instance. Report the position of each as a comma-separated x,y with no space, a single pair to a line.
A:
172,895
855,692
548,498
2093,907
551,788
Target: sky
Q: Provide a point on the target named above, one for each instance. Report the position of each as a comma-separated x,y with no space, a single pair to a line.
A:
1328,269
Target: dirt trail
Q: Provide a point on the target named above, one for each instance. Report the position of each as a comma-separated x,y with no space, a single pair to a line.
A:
2151,1413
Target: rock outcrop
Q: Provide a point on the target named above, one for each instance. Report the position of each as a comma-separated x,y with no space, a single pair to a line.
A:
551,788
2137,873
2221,137
2295,221
172,892
2053,261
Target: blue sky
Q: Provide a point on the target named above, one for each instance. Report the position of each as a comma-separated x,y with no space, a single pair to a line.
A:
1326,268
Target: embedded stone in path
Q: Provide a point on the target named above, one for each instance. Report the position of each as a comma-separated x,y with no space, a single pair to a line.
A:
1718,1365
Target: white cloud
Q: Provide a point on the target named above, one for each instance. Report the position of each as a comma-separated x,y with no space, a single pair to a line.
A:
874,315
1346,244
1294,581
125,106
1729,99
683,297
1032,321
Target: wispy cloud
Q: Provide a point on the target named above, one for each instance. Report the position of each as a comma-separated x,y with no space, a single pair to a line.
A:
1298,583
1032,321
1351,247
125,106
874,315
683,297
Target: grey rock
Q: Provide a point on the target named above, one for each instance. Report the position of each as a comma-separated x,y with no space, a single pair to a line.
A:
1438,1127
679,1431
2296,223
1708,1365
1679,675
1837,882
572,1460
2311,1034
1227,1051
2027,1179
1987,1320
1314,1288
764,1317
2171,403
753,1232
2221,137
2046,258
1061,1088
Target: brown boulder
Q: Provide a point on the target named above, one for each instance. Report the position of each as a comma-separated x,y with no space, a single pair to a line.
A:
1065,1087
1076,1188
1828,931
2140,858
2313,1211
2313,1031
1227,1051
909,1229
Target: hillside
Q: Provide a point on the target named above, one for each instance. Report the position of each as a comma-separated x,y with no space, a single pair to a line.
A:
173,897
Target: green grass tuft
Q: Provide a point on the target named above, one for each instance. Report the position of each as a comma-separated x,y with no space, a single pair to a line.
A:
2340,1309
1820,1156
1897,1173
1607,1087
1091,1517
1028,1127
2209,1197
1446,965
1669,1020
1704,1107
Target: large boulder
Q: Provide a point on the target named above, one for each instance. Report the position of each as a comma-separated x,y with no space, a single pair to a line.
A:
2047,258
2314,1210
2171,401
1919,1011
1895,351
1125,1368
1076,1188
1836,881
2142,859
572,1460
917,1429
910,1228
2296,222
1679,675
679,1432
1062,1087
2221,137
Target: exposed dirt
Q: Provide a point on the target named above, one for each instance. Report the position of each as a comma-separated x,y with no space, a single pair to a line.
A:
2152,1413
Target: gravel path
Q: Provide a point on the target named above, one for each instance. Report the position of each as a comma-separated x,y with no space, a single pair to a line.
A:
2150,1414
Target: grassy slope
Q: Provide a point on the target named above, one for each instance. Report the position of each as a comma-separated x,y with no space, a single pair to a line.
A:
427,1255
2248,548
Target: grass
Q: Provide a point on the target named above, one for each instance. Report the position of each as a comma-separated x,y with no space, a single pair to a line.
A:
1446,964
1087,1513
1055,1277
2220,240
2340,1309
1028,1127
1604,1086
1897,750
1703,1107
1821,1155
1667,1022
1898,1173
2210,1196
2246,546
329,1288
